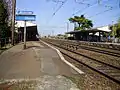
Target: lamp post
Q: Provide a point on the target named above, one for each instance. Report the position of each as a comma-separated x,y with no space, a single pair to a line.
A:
13,19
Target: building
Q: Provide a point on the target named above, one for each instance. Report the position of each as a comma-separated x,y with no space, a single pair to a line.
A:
31,31
93,35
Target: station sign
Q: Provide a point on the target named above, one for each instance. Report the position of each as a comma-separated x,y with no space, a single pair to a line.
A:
25,17
25,12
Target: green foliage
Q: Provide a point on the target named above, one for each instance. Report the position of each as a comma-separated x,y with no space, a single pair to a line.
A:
3,19
116,29
82,22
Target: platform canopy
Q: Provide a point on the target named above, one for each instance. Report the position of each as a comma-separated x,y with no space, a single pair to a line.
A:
87,31
104,28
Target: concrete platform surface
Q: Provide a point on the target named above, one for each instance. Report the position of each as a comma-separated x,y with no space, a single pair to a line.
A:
38,64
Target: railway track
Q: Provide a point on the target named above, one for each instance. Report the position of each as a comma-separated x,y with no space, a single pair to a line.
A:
78,45
108,46
98,50
105,69
105,58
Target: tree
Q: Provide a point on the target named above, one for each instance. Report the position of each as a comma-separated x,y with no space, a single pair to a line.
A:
4,28
82,22
73,20
3,19
116,30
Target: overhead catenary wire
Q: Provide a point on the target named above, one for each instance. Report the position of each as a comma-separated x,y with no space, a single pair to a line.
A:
57,1
115,16
99,2
81,2
56,5
100,12
59,8
118,1
88,6
110,8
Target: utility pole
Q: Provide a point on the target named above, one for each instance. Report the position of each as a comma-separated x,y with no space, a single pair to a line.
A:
52,32
99,1
13,19
67,26
113,31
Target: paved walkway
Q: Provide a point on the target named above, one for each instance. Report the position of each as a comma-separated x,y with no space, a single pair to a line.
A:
38,63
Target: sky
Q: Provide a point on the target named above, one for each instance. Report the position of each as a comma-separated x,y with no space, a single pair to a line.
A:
52,15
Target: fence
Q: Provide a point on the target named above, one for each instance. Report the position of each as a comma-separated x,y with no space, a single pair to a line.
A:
4,42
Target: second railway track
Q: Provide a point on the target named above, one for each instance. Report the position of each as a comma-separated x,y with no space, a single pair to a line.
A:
107,70
76,44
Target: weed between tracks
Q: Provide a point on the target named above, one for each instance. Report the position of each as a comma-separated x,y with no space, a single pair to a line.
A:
78,80
91,80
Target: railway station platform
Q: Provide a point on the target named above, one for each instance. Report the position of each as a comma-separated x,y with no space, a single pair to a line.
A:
38,66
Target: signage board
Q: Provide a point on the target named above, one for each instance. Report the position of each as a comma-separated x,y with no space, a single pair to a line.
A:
25,17
25,12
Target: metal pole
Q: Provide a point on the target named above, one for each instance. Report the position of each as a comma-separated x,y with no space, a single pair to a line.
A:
119,3
13,19
67,26
113,31
52,32
24,34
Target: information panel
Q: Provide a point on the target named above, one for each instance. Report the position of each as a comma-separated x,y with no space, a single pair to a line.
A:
25,17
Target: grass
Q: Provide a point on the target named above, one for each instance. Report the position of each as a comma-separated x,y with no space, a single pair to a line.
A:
2,49
18,85
78,80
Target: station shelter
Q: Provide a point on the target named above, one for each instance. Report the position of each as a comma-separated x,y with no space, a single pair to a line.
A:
31,31
92,35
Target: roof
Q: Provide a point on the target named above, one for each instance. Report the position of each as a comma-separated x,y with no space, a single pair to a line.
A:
104,28
89,31
97,29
